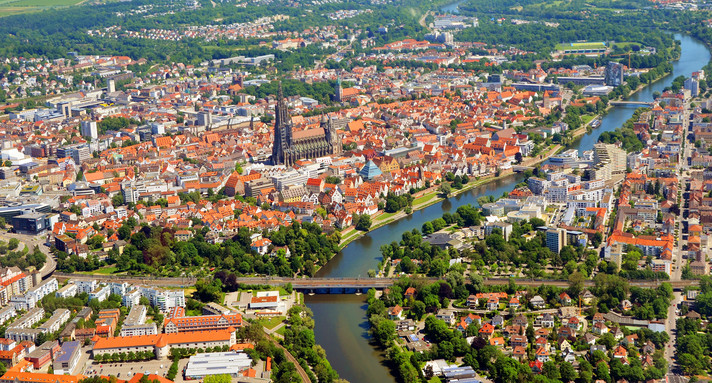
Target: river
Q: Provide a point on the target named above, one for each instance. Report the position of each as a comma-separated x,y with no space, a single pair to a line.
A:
341,326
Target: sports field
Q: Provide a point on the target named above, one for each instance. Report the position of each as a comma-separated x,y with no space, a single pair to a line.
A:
586,45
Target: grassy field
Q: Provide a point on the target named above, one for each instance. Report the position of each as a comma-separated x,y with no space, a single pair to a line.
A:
384,216
104,270
626,44
107,270
14,7
271,323
424,199
586,118
587,45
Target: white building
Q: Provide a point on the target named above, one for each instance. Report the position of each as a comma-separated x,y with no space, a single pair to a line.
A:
32,296
217,363
139,329
86,286
164,299
100,293
131,298
55,322
68,291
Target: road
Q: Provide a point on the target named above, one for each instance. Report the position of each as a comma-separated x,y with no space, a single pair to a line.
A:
684,178
671,325
681,236
31,241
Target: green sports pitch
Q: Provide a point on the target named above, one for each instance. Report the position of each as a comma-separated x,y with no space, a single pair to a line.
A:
586,45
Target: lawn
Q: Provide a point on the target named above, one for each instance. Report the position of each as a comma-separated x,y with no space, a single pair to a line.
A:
352,234
107,270
424,199
586,118
273,322
625,44
384,216
587,45
104,270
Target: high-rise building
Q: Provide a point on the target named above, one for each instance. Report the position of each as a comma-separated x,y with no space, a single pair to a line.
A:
89,129
614,73
205,119
555,239
612,156
693,86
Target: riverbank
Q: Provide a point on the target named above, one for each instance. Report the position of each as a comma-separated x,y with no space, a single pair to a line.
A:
432,196
341,324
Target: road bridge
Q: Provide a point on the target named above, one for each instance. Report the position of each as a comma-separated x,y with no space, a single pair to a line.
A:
338,285
631,103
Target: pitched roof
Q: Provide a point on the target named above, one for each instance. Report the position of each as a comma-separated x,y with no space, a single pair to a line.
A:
162,339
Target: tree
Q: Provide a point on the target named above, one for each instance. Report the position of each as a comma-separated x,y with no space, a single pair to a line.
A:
428,228
209,291
383,330
551,370
568,372
364,222
117,200
80,176
13,243
418,310
576,281
445,189
597,239
602,372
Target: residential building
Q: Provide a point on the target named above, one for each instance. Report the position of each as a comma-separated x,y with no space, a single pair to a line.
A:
66,360
555,239
161,344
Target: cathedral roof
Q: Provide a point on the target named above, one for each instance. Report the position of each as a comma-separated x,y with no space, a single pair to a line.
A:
308,133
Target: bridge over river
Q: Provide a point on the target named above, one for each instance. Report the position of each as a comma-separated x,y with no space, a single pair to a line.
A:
632,103
334,285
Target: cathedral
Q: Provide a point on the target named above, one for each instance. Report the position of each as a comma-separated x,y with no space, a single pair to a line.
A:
290,146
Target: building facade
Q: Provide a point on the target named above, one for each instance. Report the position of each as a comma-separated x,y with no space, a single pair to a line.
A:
290,146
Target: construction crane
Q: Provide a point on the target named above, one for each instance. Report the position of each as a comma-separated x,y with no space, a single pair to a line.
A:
623,54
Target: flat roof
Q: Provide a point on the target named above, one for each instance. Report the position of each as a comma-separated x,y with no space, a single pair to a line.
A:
68,349
216,363
134,317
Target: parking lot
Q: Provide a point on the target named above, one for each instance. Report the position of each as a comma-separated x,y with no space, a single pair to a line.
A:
127,369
